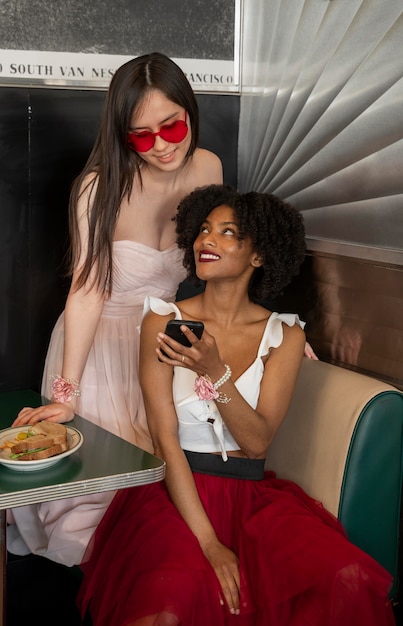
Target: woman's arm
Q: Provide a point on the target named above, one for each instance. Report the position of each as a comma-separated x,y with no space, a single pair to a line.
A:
252,429
163,424
82,314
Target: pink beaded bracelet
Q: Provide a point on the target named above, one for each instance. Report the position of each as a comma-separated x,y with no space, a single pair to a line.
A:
64,389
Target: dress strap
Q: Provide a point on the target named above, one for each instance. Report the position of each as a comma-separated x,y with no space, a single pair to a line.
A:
273,333
160,307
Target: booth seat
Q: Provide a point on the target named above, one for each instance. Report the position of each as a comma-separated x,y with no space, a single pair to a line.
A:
342,442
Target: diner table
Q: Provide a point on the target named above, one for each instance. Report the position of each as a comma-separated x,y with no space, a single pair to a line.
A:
104,462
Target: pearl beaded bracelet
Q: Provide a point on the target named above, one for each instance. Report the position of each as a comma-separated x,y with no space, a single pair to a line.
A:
226,376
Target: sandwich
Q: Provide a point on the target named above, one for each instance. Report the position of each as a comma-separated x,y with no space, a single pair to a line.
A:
44,439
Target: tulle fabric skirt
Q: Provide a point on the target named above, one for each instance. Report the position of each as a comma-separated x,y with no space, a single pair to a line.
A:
297,567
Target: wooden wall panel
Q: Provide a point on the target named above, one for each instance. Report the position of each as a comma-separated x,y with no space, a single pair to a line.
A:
354,313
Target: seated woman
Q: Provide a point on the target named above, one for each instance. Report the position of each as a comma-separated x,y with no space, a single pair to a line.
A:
221,541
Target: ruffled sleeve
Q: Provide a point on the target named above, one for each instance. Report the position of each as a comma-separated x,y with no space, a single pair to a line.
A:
160,307
273,334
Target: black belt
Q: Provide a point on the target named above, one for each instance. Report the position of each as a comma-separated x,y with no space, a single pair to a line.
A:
234,467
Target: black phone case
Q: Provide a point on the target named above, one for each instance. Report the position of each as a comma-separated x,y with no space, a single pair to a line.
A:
173,330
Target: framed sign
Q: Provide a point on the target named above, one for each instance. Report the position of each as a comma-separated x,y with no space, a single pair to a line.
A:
81,44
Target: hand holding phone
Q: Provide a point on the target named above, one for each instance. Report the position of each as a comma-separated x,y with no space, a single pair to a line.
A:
173,330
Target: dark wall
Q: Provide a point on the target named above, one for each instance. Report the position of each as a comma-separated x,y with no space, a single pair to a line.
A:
14,245
45,138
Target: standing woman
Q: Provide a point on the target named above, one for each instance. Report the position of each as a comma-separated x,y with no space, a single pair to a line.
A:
123,247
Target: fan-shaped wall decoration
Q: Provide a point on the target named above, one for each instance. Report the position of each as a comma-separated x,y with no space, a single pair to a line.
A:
321,121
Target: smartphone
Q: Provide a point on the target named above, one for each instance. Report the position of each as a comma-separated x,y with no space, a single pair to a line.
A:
173,330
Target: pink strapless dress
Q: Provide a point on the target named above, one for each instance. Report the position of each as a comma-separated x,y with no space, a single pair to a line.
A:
111,395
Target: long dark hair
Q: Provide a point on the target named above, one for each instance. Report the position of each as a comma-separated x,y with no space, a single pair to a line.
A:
114,165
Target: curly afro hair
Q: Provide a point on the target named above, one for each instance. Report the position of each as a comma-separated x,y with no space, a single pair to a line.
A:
275,227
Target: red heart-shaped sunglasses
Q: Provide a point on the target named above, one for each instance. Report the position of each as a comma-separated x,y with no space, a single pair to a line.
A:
145,140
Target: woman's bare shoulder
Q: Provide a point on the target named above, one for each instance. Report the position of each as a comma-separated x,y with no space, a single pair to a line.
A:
207,167
293,335
89,183
87,191
190,308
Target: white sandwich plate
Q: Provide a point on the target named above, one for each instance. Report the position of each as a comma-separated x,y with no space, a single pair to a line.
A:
74,440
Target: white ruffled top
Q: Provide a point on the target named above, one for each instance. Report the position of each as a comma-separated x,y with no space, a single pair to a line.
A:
201,427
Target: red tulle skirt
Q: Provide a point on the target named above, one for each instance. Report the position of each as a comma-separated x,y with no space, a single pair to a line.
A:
297,566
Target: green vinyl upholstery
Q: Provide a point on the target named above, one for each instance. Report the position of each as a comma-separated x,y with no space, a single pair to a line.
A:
342,442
